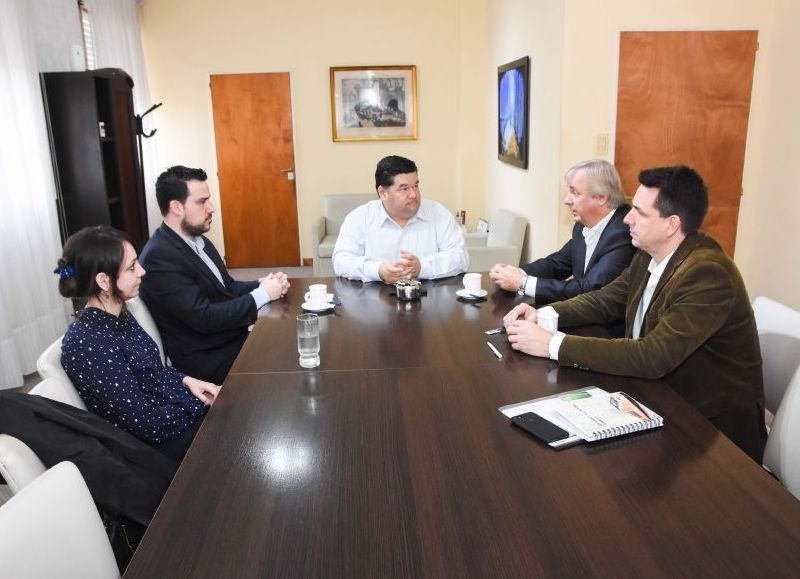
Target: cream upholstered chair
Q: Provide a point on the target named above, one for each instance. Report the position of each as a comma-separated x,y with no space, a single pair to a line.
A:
49,366
139,311
503,243
782,454
779,334
51,528
19,465
325,229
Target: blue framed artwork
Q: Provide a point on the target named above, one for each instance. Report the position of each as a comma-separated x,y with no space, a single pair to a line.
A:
513,80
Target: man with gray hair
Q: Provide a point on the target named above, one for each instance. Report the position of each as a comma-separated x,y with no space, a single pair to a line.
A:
600,248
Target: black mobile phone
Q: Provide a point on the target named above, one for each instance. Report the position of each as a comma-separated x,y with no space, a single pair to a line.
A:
541,428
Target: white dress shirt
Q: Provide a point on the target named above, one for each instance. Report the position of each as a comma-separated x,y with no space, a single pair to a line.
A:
260,295
656,270
369,237
591,236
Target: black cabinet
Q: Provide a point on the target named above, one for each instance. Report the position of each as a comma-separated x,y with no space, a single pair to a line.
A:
92,128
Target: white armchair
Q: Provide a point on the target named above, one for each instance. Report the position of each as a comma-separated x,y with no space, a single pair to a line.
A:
51,528
325,229
503,243
49,366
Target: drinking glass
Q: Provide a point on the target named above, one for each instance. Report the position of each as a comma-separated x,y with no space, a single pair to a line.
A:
308,340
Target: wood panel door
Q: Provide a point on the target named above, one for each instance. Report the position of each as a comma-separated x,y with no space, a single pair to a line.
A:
684,99
255,160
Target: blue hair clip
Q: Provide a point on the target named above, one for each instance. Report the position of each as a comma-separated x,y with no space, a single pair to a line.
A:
65,272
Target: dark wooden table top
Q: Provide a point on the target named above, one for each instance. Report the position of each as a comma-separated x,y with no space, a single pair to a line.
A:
391,459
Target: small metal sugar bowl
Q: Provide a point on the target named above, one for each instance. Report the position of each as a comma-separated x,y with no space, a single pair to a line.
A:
408,290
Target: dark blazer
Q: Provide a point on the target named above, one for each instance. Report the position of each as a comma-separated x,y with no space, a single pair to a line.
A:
698,335
203,323
560,274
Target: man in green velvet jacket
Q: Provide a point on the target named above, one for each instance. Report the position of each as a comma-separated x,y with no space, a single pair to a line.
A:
688,318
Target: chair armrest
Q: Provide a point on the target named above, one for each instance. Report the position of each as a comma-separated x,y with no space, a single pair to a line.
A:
475,239
317,232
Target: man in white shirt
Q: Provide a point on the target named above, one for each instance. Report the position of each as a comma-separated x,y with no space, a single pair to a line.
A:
201,312
399,235
600,247
687,315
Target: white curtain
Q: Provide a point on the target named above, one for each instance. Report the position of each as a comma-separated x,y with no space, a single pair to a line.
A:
118,44
32,314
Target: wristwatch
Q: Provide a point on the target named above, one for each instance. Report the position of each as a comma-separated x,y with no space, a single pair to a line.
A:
523,282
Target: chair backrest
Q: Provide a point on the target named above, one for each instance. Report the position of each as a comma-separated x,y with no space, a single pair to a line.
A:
139,310
336,208
506,228
19,465
779,334
782,454
49,366
51,528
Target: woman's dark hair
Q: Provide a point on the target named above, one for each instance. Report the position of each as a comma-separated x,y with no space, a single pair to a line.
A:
92,250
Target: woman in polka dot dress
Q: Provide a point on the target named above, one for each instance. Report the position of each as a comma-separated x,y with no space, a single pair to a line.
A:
113,362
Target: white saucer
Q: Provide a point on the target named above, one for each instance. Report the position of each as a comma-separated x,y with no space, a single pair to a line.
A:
309,308
467,295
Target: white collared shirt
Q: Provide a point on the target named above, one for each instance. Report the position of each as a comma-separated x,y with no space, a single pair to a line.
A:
591,236
369,237
656,271
260,295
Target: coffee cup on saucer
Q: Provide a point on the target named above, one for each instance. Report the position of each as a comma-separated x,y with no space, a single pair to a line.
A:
317,296
472,283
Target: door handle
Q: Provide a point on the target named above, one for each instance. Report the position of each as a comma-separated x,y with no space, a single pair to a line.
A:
289,173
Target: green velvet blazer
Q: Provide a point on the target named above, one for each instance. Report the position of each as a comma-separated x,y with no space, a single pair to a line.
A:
698,335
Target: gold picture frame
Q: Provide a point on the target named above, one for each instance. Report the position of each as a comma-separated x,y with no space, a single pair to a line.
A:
373,103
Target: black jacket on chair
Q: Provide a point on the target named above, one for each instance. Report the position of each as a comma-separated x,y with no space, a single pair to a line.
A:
126,477
203,322
561,274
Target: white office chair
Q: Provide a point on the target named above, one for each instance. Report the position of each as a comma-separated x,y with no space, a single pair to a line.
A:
782,454
779,334
503,243
51,528
54,389
19,465
139,311
49,366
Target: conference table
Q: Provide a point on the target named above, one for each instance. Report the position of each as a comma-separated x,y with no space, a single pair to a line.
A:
391,459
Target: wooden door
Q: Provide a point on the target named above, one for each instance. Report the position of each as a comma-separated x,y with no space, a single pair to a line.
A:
255,160
684,98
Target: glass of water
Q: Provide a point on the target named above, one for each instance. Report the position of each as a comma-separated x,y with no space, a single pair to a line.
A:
308,340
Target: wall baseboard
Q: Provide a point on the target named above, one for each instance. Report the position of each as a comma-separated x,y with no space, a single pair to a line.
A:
308,261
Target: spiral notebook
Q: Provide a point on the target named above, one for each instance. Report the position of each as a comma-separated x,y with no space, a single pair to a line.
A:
596,414
591,413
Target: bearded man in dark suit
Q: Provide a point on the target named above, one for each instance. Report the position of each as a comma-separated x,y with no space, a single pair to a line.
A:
201,312
688,318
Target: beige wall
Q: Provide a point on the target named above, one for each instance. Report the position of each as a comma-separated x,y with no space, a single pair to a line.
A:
532,28
187,40
591,45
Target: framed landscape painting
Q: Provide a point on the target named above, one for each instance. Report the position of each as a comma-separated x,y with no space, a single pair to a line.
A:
373,103
513,80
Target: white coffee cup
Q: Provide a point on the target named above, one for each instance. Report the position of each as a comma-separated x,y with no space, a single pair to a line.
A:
547,318
472,282
317,295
